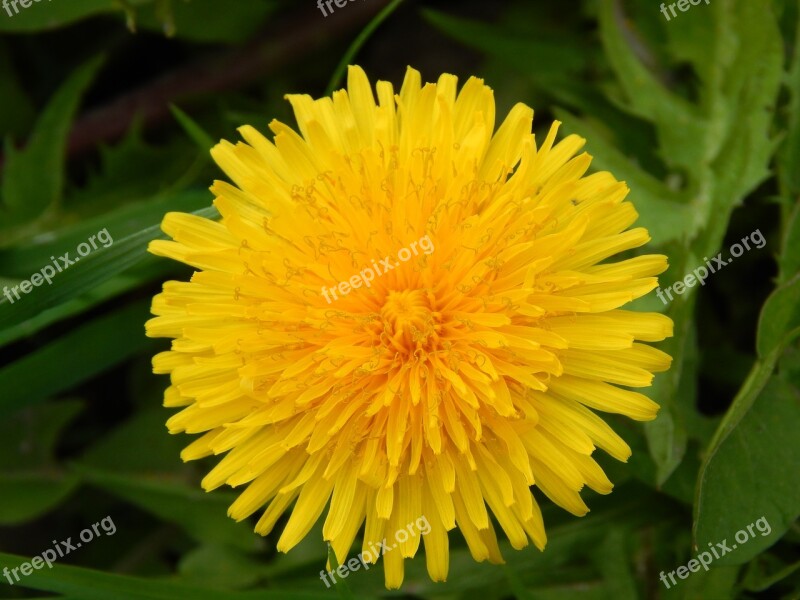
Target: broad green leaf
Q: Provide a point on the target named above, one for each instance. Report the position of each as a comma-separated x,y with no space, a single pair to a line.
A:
750,88
687,41
31,481
734,160
677,121
202,515
89,584
790,152
681,484
747,475
74,357
779,322
743,87
789,260
33,178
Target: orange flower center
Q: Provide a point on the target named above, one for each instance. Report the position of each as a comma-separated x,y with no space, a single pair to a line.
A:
409,323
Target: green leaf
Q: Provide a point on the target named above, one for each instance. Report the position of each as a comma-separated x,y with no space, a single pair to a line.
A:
205,21
221,567
341,585
678,122
760,576
717,582
128,220
52,15
748,472
34,177
745,90
32,483
29,495
742,87
667,436
612,558
89,584
24,259
74,357
554,58
17,113
790,152
98,266
131,279
203,516
779,322
132,170
516,584
358,42
789,260
202,140
122,449
153,477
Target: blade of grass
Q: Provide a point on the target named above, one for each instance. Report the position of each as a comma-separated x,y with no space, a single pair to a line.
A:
199,136
360,40
95,268
150,269
341,585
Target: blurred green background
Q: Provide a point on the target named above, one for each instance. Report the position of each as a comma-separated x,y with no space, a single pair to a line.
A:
107,110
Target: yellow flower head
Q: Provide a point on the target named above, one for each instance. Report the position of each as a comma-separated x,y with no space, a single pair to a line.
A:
404,314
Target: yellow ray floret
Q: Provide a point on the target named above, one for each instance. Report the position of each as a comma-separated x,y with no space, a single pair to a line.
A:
404,320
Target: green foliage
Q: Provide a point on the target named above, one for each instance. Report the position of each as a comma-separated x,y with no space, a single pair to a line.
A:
47,16
34,177
32,480
71,359
744,476
699,115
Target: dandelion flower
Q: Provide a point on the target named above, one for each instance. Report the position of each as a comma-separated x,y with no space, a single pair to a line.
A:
454,382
